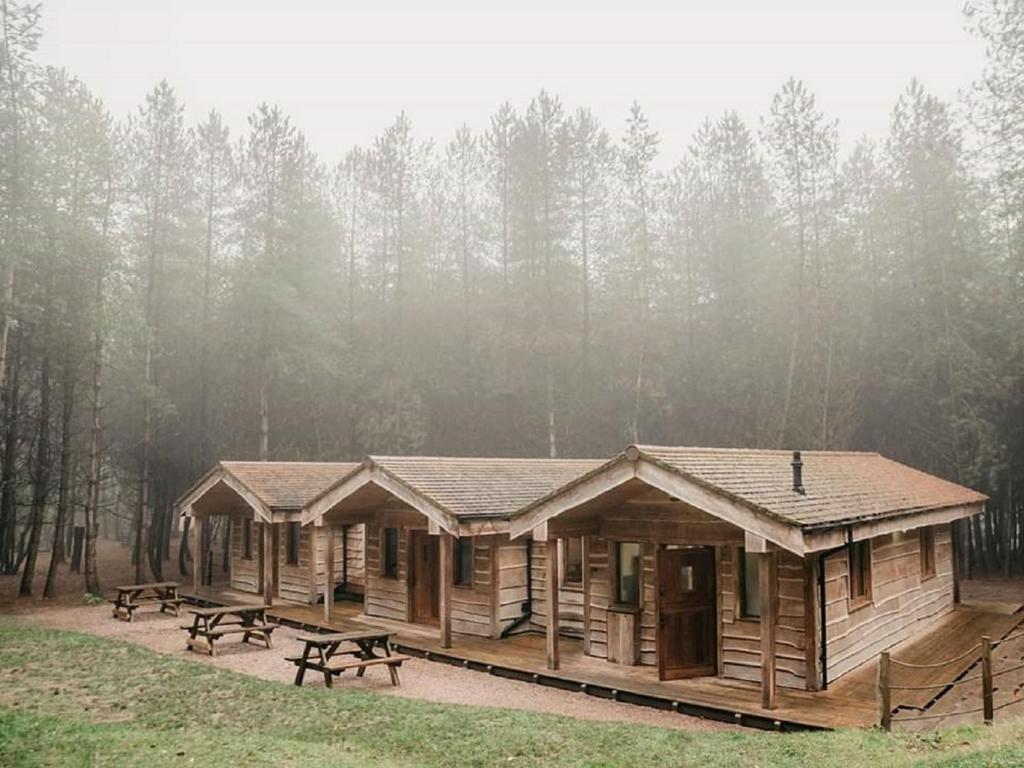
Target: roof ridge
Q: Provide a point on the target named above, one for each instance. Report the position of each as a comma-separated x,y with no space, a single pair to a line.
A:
403,457
259,462
716,449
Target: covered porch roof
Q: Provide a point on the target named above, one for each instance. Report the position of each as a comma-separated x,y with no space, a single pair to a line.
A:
460,495
269,491
838,497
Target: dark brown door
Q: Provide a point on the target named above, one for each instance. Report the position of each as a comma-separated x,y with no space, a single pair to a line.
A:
686,624
424,557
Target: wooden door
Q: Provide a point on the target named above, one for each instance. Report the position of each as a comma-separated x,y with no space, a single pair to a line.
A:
424,571
687,614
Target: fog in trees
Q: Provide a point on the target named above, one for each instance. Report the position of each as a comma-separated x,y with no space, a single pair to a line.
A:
176,293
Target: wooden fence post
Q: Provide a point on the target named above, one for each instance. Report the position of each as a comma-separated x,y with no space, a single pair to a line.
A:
986,678
884,694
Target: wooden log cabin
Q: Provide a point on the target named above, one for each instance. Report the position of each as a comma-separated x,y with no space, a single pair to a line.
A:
269,552
438,551
764,566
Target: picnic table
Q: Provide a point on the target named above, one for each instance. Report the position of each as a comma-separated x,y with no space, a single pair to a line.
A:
131,597
211,624
360,651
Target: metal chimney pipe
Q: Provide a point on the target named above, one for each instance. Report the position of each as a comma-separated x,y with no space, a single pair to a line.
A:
798,473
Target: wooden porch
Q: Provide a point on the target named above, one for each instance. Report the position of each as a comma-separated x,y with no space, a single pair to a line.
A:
849,702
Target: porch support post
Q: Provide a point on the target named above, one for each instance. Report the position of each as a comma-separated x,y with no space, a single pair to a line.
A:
954,541
315,536
812,634
197,553
551,593
769,588
231,551
446,577
328,571
267,556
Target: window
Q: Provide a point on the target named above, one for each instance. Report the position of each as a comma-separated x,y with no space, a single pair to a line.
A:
927,553
247,539
389,558
293,544
464,562
572,561
749,584
627,573
860,573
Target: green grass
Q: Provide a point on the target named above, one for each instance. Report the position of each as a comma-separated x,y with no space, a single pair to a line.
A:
69,699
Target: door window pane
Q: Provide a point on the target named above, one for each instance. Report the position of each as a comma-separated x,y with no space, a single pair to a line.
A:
686,578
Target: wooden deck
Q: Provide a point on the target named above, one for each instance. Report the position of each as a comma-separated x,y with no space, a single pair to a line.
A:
849,702
962,629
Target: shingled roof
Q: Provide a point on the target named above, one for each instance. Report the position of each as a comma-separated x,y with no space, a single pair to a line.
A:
482,487
279,485
839,486
287,484
448,489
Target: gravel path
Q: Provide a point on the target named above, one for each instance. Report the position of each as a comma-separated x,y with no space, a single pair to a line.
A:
421,679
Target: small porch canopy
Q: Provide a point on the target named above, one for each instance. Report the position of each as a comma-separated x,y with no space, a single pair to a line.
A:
266,492
777,500
458,496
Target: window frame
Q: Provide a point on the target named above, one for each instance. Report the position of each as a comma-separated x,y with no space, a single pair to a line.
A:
389,569
864,565
617,603
926,543
742,611
247,538
292,540
563,555
460,579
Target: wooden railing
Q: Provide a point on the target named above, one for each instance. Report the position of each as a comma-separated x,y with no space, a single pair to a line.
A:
886,687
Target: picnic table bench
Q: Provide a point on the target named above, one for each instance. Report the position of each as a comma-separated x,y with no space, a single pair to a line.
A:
361,652
211,624
131,597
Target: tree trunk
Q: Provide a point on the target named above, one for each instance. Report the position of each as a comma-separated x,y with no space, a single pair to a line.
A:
264,422
57,554
92,501
9,468
141,514
184,553
41,481
66,463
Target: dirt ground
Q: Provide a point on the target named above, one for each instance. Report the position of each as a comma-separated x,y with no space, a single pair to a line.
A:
421,679
992,590
113,566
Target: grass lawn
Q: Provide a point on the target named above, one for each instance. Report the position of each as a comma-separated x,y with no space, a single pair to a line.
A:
69,699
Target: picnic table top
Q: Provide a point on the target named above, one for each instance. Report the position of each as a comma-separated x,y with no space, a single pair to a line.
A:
341,637
223,609
150,585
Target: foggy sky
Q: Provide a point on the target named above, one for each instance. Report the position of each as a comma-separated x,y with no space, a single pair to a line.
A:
343,70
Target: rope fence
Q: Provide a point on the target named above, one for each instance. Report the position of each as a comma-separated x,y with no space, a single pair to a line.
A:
940,664
986,676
